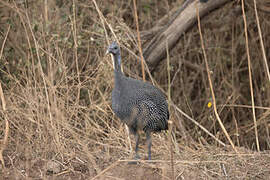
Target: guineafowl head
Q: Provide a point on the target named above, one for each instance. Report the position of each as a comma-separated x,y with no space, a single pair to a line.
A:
113,49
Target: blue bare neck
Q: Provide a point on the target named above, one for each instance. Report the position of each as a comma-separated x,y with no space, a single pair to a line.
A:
117,62
117,68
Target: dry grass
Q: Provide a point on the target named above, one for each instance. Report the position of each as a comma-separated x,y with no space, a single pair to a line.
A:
57,86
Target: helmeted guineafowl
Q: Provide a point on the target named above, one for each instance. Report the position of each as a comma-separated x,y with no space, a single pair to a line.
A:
138,104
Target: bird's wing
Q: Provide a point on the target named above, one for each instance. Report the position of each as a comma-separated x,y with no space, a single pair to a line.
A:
153,117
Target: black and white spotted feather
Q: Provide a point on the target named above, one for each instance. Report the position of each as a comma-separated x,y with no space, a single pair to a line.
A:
138,104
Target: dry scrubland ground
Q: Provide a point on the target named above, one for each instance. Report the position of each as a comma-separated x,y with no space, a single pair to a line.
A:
57,86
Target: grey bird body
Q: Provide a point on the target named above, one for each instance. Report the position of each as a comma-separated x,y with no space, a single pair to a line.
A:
138,104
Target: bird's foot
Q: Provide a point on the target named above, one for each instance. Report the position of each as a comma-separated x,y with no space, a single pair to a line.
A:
135,161
149,160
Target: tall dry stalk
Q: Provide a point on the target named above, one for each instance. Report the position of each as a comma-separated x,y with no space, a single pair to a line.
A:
264,56
261,41
211,86
6,131
170,122
250,77
74,32
139,38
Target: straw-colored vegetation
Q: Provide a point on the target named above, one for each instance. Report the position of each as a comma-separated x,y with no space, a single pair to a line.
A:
57,85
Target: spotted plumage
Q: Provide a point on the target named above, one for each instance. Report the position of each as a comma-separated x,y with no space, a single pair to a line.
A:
138,104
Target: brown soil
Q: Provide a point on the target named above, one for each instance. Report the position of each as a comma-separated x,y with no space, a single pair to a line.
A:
205,163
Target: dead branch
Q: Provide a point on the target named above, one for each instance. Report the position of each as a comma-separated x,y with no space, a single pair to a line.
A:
183,19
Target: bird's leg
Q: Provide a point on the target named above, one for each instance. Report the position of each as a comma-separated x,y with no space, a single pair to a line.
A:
137,138
136,157
149,143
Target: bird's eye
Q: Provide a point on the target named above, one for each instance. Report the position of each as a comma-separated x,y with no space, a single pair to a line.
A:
115,48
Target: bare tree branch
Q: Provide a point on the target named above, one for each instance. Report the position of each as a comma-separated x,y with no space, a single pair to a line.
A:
183,19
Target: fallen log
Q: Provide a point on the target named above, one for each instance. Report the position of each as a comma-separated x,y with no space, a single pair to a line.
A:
182,20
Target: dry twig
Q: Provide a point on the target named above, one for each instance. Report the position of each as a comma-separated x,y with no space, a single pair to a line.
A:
261,41
211,86
169,104
6,132
139,39
250,78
